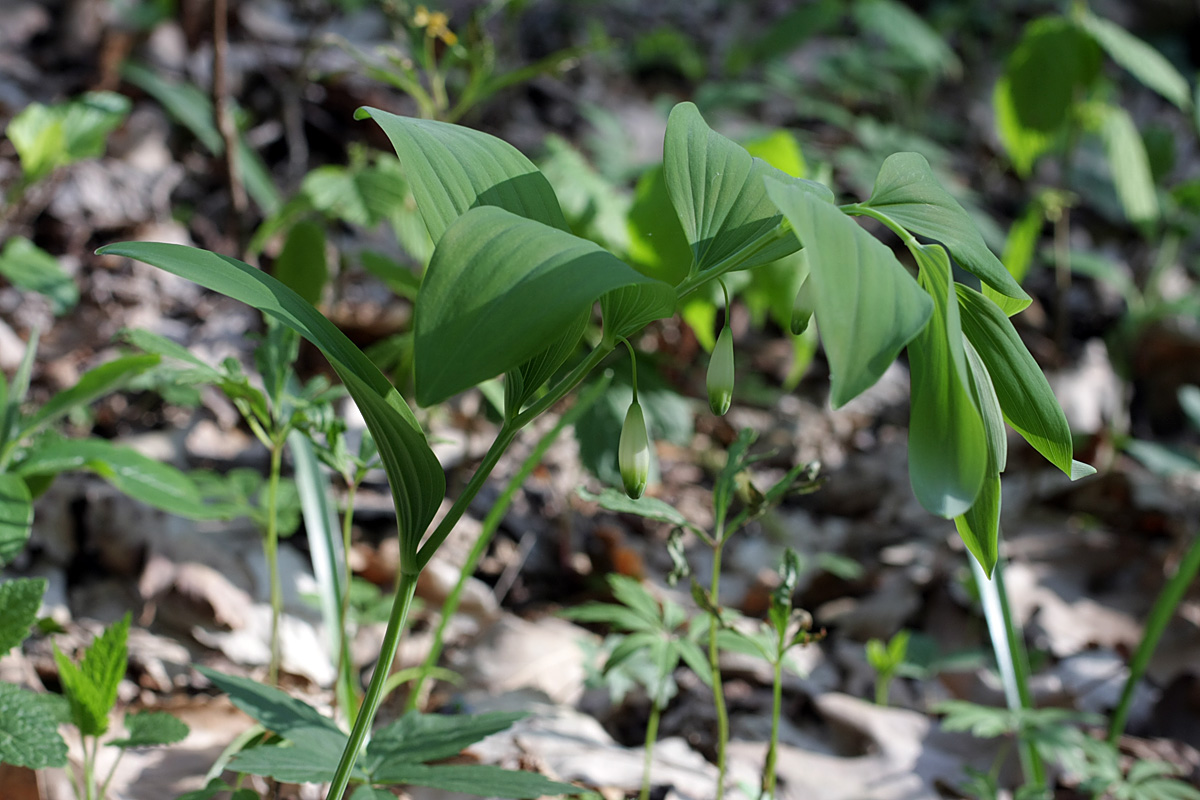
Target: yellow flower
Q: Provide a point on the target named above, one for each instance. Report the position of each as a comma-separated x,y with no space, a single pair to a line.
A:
436,25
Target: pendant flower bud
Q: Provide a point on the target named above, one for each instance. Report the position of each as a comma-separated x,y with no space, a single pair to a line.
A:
720,373
802,309
633,452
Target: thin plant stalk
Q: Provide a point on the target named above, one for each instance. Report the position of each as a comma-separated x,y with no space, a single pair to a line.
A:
648,758
768,779
405,589
353,698
1160,615
488,529
714,661
272,553
1011,660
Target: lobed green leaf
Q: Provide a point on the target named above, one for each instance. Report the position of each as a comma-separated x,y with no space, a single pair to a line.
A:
28,735
16,517
20,598
91,685
416,738
151,729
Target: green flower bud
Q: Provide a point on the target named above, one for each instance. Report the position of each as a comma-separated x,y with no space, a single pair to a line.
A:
720,373
633,452
802,309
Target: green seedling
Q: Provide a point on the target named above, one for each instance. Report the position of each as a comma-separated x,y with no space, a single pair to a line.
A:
886,660
657,637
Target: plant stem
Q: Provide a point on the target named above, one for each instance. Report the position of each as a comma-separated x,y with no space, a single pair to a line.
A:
490,523
350,690
1012,662
89,792
651,738
714,663
882,681
405,588
272,553
1160,615
768,779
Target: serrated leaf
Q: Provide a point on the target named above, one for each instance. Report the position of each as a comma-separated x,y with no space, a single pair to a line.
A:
1025,397
416,477
275,710
489,269
143,478
151,729
1138,58
1129,165
477,779
610,614
93,384
28,735
308,756
31,268
20,599
908,193
718,192
868,306
16,517
631,593
91,685
1034,96
947,445
452,169
416,738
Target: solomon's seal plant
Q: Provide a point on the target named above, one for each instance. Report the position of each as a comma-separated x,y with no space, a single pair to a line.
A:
720,367
509,290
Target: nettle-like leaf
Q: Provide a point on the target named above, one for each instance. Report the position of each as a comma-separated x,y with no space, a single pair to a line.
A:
416,738
416,477
947,445
868,306
29,730
452,169
20,598
16,517
151,729
719,193
499,289
908,193
1025,397
91,685
1138,58
1034,96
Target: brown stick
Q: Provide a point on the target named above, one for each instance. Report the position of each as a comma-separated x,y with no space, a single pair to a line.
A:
225,124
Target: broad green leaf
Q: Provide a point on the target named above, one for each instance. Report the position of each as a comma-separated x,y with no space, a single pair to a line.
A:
597,208
145,479
20,598
91,685
309,756
979,527
16,515
274,709
904,30
522,384
1025,397
499,289
363,196
908,193
93,384
151,729
627,310
193,109
781,150
868,306
1138,58
947,444
416,477
1129,165
658,246
477,779
452,169
1021,245
301,264
28,735
416,738
720,196
31,268
617,501
984,394
365,792
1035,95
48,137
